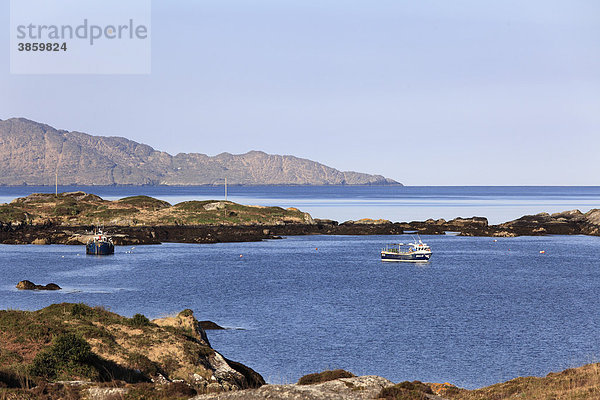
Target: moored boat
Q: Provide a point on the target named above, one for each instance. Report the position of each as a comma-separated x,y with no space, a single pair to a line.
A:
410,252
100,244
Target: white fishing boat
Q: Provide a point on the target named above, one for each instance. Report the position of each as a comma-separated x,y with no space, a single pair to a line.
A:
409,252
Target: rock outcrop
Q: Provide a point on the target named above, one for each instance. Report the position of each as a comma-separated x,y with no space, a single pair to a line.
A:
367,221
359,387
117,348
185,320
28,285
210,326
31,153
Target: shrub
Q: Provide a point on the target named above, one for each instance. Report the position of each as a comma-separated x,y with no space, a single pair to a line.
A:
69,354
324,376
170,391
139,320
80,310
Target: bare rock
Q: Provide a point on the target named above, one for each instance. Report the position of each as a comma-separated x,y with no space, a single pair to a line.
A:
219,205
106,393
504,234
574,215
469,222
28,285
184,320
360,387
209,325
368,221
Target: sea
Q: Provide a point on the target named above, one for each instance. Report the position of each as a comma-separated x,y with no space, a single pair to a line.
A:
483,310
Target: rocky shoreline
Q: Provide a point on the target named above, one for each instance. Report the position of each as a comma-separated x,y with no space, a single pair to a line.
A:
566,223
69,218
81,347
74,351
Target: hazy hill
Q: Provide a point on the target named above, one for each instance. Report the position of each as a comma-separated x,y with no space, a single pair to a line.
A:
31,153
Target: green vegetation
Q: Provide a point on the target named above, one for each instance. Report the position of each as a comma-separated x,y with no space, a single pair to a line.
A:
193,205
324,376
69,356
9,213
145,202
139,320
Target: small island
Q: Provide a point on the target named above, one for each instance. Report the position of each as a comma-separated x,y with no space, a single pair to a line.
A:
69,218
28,285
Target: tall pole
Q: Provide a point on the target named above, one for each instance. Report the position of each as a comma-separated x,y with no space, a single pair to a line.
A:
56,184
225,189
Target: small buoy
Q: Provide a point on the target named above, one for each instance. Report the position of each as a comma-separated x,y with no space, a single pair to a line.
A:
316,248
63,256
542,251
241,256
495,240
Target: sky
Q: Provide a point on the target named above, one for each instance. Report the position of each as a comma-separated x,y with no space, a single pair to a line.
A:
434,92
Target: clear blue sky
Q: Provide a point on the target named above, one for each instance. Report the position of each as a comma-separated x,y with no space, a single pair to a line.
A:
424,92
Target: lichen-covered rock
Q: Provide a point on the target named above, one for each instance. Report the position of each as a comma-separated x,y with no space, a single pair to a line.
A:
219,205
360,387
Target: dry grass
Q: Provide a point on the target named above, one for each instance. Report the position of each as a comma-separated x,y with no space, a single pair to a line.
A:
570,384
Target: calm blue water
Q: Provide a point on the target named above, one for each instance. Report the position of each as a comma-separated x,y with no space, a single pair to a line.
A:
341,203
481,312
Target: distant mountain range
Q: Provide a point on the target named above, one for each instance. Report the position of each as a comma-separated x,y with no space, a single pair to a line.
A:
32,153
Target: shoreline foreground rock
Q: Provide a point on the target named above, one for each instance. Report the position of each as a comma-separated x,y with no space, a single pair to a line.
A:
90,345
75,351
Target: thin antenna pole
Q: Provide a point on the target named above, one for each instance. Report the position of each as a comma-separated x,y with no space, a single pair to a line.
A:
225,188
56,184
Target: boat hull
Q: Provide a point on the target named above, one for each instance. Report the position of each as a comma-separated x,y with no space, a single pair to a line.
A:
405,257
100,248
